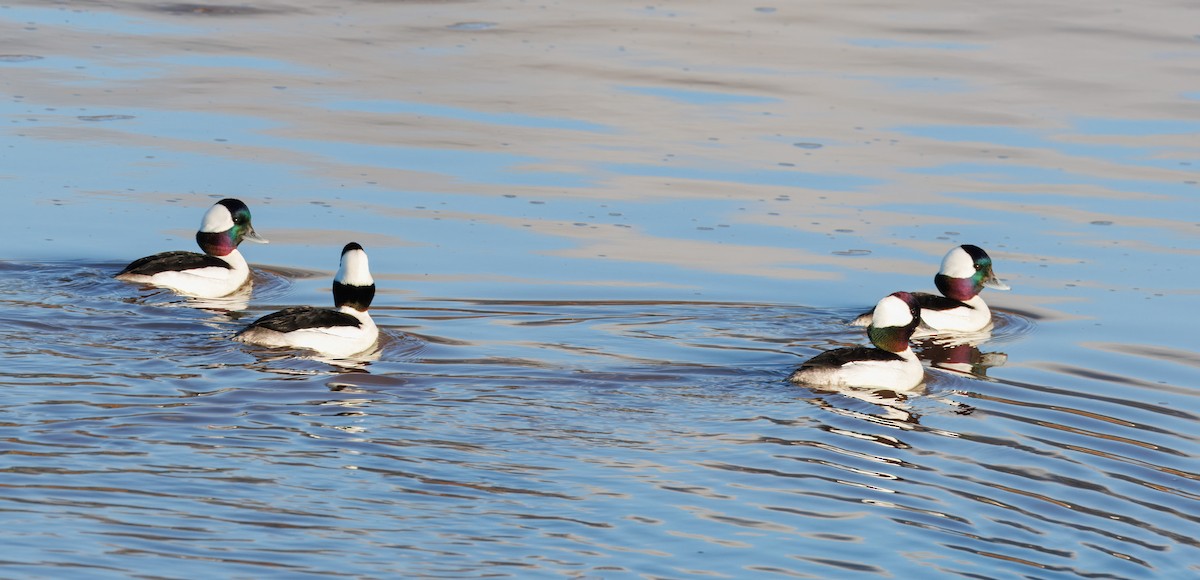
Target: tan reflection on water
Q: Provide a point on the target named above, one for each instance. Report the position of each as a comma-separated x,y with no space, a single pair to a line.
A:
844,77
1153,352
828,70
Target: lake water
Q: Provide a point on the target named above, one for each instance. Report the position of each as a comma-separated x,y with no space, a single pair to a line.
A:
603,233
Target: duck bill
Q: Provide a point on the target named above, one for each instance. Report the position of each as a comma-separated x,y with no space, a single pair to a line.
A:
991,281
252,236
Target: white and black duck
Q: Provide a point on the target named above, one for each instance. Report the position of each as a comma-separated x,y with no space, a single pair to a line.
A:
889,364
219,271
342,331
966,271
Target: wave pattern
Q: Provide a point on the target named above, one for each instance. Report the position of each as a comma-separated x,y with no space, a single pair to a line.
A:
519,439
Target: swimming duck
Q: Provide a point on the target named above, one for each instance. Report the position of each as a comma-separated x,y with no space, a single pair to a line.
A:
890,364
343,331
966,271
219,271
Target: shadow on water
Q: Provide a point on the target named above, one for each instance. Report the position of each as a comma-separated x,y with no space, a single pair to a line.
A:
554,438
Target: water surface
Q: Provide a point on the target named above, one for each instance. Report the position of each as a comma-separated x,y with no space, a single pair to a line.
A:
603,233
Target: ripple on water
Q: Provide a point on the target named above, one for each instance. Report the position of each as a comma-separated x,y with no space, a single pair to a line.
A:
556,438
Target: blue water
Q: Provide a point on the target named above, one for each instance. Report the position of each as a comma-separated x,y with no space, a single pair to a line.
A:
603,235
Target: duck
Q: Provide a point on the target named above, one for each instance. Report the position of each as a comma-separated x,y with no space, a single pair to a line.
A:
219,271
966,270
889,364
342,331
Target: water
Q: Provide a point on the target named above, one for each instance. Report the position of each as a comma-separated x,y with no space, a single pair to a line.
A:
603,233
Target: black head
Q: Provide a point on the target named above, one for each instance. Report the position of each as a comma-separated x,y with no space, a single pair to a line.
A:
894,321
353,285
966,271
224,227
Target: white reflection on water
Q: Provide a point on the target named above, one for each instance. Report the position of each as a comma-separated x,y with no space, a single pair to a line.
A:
613,229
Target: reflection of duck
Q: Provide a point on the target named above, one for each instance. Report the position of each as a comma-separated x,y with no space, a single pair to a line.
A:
893,409
966,271
345,331
289,364
237,301
891,364
962,357
219,271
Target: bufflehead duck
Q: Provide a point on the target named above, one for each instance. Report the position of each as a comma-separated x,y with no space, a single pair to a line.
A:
891,364
966,271
219,271
343,331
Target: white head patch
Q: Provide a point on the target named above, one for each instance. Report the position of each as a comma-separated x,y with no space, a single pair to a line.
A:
891,311
354,269
958,264
216,219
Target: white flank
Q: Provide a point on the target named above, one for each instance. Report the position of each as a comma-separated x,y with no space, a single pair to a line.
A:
903,375
354,269
336,341
962,319
891,311
216,219
210,282
958,264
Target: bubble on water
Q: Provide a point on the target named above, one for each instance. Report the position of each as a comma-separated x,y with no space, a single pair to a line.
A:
100,118
472,26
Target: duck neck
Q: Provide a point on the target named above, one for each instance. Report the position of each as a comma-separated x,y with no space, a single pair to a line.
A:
891,338
961,289
218,244
235,260
349,297
976,302
362,315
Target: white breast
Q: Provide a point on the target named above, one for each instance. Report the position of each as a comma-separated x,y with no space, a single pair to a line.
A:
978,317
